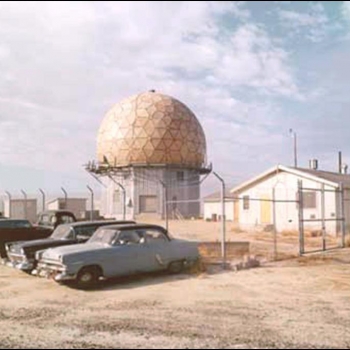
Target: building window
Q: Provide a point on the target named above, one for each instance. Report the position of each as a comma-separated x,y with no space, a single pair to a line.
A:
246,202
309,200
180,176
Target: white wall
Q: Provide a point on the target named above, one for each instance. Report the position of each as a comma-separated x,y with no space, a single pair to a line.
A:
75,205
286,187
21,209
211,208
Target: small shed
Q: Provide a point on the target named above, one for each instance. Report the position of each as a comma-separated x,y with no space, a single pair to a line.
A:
213,206
75,205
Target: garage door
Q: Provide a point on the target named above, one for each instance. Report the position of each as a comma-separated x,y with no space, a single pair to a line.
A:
148,204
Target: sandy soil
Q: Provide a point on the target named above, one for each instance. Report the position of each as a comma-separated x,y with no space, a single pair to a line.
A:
262,243
301,303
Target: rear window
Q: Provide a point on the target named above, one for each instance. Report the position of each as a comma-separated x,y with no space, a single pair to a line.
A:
44,220
14,223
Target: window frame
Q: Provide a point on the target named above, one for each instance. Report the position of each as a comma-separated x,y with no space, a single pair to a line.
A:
246,202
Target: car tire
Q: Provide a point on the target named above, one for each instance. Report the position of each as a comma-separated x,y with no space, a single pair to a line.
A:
87,277
176,267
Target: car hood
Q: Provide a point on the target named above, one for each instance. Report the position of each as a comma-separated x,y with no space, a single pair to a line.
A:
56,253
30,244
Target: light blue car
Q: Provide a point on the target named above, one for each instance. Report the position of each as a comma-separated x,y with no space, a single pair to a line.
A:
117,251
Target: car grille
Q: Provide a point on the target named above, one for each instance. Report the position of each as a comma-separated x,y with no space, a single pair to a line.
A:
16,258
50,265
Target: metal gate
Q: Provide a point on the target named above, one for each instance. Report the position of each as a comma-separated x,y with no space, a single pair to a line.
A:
320,228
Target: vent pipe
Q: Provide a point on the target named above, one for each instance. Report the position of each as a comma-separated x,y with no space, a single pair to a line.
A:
340,165
313,164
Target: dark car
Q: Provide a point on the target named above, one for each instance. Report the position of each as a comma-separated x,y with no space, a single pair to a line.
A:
22,254
19,230
14,223
54,218
12,230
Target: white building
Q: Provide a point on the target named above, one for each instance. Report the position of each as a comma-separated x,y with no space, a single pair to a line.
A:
21,209
213,206
76,205
253,204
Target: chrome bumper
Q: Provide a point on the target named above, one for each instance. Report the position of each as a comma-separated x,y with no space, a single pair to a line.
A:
25,265
21,262
58,273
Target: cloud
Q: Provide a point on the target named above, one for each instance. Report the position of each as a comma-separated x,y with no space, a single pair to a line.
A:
346,9
67,63
313,24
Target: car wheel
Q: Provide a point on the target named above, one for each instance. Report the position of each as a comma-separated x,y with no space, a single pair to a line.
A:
176,267
87,277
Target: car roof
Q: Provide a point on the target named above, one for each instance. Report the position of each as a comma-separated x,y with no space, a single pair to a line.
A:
52,211
98,222
14,220
135,226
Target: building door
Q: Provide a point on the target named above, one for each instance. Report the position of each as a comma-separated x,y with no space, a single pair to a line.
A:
236,211
148,204
265,209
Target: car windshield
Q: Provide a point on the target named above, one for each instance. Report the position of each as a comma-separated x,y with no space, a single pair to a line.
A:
63,232
103,235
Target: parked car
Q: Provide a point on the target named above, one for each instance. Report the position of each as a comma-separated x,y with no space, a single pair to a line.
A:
115,251
54,218
17,230
12,230
22,254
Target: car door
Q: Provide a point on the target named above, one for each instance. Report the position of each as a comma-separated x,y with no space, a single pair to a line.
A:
159,249
127,255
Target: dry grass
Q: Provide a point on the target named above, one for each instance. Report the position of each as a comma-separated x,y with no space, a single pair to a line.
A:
236,229
289,233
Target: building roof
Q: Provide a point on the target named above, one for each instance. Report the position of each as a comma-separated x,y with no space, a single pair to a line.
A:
151,129
327,177
216,196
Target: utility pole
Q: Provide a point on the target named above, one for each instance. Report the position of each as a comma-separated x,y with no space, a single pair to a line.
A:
294,135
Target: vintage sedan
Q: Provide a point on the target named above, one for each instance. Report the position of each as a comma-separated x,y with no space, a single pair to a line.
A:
115,251
18,230
22,254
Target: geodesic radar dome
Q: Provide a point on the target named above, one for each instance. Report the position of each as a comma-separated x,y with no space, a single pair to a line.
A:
151,129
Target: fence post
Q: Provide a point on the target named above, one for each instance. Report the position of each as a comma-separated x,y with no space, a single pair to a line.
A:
323,222
92,203
65,197
223,219
43,199
274,223
10,198
165,203
301,217
25,204
342,213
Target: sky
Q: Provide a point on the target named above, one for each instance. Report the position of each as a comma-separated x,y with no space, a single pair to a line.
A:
250,71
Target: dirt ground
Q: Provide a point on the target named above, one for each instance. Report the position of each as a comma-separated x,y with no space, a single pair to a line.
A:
299,303
261,242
